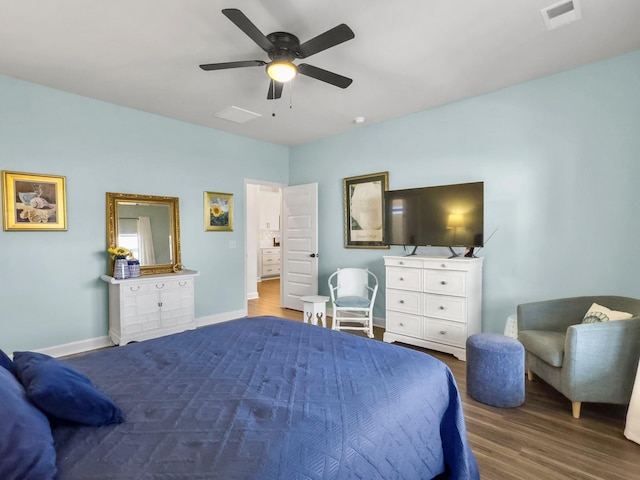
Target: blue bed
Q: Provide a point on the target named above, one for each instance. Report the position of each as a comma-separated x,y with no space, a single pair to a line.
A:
268,398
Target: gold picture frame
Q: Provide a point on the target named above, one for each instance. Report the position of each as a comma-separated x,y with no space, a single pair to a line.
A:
33,201
364,210
218,212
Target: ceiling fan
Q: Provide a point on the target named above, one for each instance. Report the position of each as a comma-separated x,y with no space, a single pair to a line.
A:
282,48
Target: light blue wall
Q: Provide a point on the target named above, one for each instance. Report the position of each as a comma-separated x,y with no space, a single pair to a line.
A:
50,289
560,158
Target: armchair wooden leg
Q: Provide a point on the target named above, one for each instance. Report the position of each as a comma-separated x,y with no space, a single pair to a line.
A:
575,409
529,375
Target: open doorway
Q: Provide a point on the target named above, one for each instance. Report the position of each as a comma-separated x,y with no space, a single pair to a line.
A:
262,240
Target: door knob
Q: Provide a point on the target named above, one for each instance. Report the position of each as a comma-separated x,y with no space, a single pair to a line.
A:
313,255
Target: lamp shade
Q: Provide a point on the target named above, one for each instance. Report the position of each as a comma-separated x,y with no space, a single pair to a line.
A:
455,220
281,71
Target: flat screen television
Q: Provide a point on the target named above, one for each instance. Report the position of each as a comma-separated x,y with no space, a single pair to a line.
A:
441,216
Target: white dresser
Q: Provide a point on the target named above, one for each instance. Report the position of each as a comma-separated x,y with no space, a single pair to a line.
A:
269,262
433,302
150,306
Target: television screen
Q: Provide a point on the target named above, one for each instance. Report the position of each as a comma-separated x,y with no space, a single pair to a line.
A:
442,216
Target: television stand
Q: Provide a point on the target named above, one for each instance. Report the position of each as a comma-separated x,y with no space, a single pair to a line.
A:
413,252
453,253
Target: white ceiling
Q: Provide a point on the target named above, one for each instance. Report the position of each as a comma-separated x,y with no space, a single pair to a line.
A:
406,56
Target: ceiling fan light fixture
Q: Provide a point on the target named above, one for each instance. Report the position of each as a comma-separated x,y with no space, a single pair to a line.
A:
281,71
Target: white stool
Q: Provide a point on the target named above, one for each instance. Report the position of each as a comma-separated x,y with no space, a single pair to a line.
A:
315,309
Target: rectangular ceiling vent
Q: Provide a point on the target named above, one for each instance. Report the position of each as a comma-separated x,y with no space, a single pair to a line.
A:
237,115
561,13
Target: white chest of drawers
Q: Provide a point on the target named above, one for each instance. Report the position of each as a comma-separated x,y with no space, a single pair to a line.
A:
150,306
433,302
269,262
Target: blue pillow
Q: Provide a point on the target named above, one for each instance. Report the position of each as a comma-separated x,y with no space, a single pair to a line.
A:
26,443
5,361
63,393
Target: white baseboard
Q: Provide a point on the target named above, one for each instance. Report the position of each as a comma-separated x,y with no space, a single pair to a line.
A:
379,322
83,346
252,295
220,317
74,348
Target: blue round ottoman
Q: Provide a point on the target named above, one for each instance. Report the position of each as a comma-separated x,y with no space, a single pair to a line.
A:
495,370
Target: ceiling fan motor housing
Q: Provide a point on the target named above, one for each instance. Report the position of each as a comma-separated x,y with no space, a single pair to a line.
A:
285,46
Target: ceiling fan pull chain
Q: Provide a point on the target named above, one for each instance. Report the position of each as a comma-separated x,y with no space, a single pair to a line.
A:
291,94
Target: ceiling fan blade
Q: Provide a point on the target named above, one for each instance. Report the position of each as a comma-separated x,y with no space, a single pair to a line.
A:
226,65
275,90
244,24
324,75
325,40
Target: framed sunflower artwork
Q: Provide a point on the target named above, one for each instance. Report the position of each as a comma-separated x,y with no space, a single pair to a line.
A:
218,212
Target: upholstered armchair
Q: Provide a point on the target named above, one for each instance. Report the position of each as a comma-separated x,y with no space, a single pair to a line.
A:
586,362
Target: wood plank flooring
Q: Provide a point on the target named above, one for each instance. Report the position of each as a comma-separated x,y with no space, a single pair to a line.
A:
539,440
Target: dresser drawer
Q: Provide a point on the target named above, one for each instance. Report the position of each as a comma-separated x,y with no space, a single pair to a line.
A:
404,301
442,306
183,283
447,264
270,270
403,262
447,282
127,289
404,278
442,331
404,324
270,258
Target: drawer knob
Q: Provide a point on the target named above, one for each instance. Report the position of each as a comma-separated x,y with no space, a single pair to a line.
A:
443,282
444,265
400,263
135,289
443,332
401,301
401,279
401,324
159,285
442,307
182,284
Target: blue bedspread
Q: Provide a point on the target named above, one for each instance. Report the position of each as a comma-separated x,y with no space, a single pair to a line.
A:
268,398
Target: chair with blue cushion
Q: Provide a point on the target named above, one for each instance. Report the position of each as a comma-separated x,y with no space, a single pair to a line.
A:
353,294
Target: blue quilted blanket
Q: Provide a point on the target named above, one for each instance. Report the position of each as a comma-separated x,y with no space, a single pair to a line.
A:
268,398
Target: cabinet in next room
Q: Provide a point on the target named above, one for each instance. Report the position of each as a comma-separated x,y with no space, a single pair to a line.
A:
269,263
433,302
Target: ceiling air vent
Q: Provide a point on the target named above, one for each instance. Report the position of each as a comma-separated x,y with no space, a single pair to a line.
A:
561,13
237,114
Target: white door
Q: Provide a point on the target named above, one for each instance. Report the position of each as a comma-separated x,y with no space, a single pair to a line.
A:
299,244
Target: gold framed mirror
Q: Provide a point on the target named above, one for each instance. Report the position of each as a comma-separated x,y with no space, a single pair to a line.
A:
148,226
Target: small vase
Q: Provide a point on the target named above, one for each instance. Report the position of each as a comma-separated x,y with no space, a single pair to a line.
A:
121,268
134,268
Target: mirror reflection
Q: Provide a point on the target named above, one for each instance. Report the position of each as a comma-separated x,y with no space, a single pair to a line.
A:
148,226
146,231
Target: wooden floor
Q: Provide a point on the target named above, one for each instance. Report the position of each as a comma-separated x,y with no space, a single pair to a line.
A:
539,440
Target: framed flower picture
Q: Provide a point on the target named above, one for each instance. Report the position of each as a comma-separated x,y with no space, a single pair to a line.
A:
32,201
218,211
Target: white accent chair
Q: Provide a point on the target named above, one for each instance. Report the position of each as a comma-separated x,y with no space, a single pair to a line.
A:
353,295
